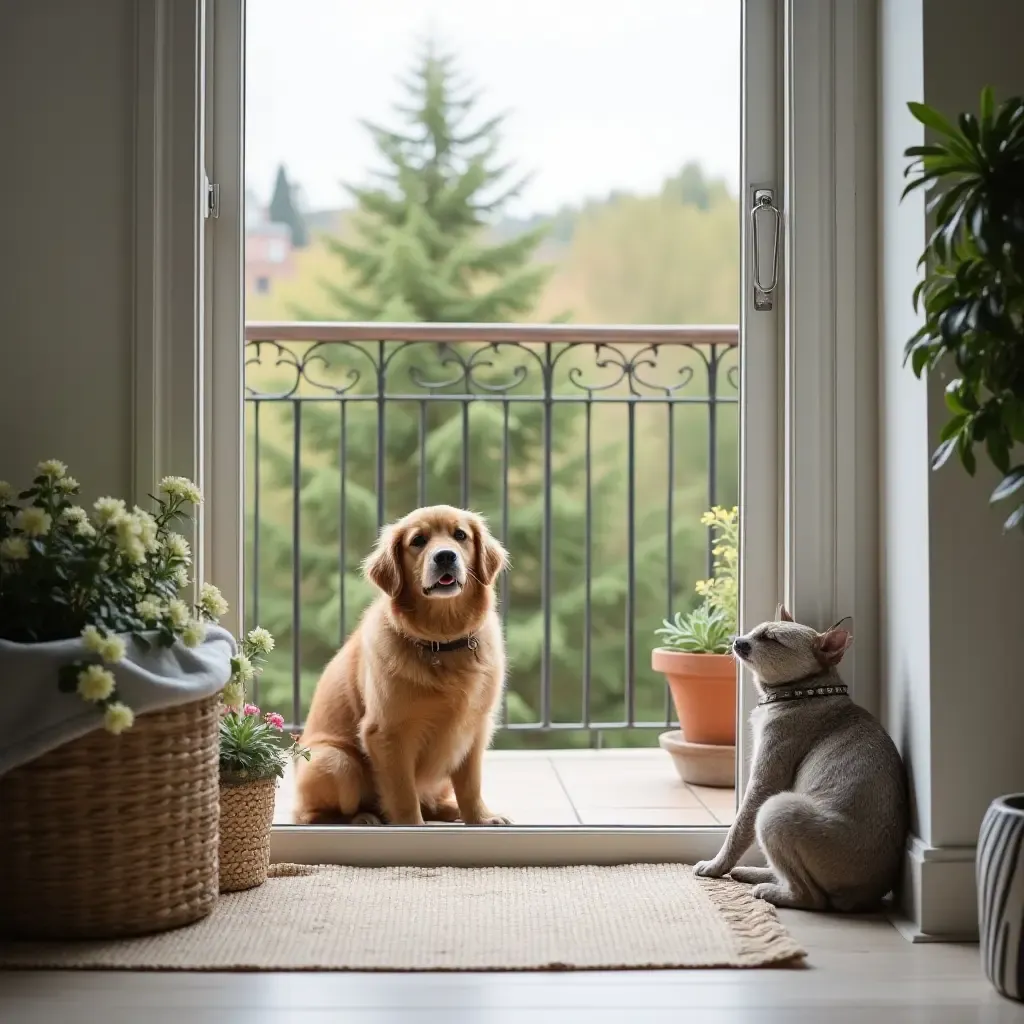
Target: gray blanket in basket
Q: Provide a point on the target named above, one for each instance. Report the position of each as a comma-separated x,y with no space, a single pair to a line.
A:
37,717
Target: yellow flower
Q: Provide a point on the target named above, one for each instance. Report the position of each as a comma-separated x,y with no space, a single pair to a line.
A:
193,634
67,485
95,683
6,492
33,522
85,529
13,549
211,601
74,514
181,487
117,718
180,577
53,468
149,609
261,640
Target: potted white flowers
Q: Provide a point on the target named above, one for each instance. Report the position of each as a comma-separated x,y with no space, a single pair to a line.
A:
252,759
109,677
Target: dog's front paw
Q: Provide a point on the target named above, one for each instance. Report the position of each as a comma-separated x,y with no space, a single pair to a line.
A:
486,817
709,869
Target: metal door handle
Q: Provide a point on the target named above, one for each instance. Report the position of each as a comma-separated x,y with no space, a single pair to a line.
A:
764,203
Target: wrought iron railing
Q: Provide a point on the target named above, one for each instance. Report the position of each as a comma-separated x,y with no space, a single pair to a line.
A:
592,450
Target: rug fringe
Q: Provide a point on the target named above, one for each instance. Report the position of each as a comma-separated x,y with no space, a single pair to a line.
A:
751,918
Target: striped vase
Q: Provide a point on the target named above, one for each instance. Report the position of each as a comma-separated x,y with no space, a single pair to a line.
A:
1000,872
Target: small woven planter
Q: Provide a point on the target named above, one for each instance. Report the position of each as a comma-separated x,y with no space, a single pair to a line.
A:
114,836
246,820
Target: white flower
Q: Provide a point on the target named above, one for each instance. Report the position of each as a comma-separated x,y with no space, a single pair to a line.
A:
53,468
95,683
181,487
117,718
109,510
178,546
233,694
137,581
33,522
74,514
180,577
261,640
6,492
112,650
85,529
211,601
149,609
177,612
67,485
241,669
13,549
92,639
193,634
128,537
147,529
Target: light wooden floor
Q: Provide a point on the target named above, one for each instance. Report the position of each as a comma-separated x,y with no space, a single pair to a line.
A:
586,787
859,971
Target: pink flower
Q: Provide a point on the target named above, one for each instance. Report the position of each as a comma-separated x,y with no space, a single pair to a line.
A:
250,709
275,721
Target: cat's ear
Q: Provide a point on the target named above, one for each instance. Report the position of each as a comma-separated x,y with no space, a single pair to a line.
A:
781,615
832,645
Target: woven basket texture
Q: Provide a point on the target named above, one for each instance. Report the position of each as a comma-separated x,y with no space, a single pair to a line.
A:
246,819
114,836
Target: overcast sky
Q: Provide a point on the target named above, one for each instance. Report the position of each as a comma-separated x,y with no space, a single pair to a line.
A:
601,95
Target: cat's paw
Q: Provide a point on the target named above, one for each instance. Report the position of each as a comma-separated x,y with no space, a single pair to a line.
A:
770,893
709,869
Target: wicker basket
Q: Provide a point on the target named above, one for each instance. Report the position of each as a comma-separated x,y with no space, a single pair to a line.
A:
246,819
112,836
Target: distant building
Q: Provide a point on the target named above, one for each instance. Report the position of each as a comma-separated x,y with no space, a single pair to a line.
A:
269,257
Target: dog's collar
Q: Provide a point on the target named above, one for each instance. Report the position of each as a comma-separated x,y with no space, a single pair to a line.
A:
803,692
468,643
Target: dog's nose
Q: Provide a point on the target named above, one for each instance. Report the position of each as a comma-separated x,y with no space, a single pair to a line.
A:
445,558
741,647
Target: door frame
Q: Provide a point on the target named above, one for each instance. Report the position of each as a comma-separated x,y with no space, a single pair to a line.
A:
801,493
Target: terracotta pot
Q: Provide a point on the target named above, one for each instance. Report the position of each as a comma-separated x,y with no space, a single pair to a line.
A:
704,692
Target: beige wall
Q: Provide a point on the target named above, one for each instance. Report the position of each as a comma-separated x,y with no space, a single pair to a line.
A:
66,124
953,584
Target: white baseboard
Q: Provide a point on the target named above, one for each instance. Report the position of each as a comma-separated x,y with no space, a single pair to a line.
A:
939,901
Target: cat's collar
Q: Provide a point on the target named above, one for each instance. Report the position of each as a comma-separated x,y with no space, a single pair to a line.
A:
802,692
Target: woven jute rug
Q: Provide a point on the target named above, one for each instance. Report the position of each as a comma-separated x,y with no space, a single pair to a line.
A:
455,919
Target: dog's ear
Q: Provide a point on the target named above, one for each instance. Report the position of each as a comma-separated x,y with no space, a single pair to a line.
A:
384,566
832,645
781,615
491,557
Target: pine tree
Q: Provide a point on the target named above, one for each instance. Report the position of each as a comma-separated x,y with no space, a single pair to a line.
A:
283,209
420,254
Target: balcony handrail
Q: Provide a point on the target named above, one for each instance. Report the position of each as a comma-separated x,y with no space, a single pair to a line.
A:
540,334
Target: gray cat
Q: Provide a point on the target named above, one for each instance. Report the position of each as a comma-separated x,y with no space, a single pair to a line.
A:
827,796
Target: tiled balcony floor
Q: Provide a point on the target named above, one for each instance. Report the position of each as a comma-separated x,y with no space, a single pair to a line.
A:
587,787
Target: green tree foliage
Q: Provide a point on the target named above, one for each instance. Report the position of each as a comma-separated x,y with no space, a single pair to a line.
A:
284,210
422,247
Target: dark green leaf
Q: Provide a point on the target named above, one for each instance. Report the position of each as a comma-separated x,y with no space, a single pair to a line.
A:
931,118
998,451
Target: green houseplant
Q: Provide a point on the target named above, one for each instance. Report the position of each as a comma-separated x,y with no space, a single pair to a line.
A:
972,292
972,296
694,656
252,759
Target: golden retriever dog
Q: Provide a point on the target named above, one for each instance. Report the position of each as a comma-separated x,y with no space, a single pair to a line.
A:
403,713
